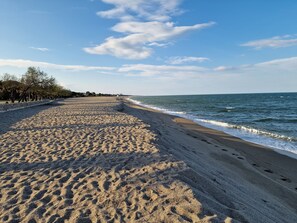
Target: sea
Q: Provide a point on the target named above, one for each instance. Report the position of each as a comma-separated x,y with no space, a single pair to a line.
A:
268,119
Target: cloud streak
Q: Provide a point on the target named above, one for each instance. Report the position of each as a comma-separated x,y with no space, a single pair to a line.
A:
43,49
274,42
20,63
288,65
285,64
147,70
183,60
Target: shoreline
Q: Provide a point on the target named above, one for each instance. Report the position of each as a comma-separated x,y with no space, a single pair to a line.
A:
211,126
217,135
260,166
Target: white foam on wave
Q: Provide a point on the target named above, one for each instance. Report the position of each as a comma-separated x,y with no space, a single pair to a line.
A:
275,141
157,108
218,123
248,129
279,143
230,108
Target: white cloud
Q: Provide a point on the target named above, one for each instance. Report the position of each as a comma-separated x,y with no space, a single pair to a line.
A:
129,47
152,10
274,42
160,44
144,24
182,60
140,37
224,68
285,64
275,67
146,70
40,49
272,66
156,31
19,63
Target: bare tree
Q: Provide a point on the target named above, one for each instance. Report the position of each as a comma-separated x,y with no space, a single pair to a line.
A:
10,87
33,85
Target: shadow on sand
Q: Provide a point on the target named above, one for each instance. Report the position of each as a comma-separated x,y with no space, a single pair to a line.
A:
9,118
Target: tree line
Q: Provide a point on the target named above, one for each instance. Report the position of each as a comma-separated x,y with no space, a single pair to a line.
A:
32,86
36,85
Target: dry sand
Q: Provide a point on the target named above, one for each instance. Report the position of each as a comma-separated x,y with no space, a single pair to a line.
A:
82,160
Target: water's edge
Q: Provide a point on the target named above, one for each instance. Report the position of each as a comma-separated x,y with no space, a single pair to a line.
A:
222,127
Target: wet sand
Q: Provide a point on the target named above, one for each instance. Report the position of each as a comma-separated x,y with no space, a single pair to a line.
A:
93,160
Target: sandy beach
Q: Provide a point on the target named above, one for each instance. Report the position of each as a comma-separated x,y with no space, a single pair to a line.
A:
95,160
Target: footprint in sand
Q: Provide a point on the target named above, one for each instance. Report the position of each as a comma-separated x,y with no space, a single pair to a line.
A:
13,192
268,171
286,180
65,178
39,195
32,206
46,199
204,140
40,211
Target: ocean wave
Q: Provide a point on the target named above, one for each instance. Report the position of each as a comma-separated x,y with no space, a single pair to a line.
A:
230,108
276,120
218,123
270,139
265,120
134,101
225,110
168,111
249,130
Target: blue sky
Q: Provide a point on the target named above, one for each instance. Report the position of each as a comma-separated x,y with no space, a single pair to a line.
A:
154,47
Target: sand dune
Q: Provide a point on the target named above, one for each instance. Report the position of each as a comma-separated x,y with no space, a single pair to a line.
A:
81,160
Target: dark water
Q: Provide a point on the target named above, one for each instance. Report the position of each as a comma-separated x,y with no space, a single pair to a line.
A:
267,119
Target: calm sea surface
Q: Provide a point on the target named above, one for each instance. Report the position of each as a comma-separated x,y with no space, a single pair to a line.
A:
266,119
